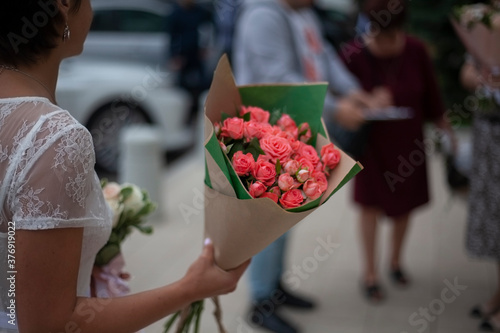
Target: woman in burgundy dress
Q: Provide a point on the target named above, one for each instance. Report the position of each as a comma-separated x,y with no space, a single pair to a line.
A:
394,181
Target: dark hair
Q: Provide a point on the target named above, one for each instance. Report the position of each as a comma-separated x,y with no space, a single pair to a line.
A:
29,29
388,14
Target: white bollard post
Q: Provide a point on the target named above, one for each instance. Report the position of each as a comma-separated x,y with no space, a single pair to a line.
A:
141,161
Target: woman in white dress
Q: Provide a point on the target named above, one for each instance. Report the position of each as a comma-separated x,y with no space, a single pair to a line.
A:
53,216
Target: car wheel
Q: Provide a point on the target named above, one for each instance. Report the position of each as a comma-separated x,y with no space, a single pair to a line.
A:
105,126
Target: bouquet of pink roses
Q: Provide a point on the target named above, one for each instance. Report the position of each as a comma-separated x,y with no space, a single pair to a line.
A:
263,172
273,158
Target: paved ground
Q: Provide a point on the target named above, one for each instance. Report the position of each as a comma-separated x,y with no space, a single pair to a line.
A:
435,256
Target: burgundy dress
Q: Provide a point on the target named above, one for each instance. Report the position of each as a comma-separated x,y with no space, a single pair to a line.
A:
395,174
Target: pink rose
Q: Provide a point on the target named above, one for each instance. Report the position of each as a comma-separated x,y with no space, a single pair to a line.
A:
330,156
111,191
285,182
292,199
264,172
291,167
256,113
320,178
271,196
233,128
286,123
309,153
266,130
275,190
243,164
252,129
305,163
295,144
312,190
303,175
304,132
276,148
257,189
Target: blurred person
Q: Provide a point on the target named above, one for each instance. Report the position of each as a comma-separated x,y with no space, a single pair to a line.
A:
280,41
483,227
187,54
54,218
394,182
225,19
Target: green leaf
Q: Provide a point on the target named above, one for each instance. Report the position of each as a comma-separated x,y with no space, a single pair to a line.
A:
237,146
148,230
247,116
104,182
278,167
126,192
275,116
224,116
253,147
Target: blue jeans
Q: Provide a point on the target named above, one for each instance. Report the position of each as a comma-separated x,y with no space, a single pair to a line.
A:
266,270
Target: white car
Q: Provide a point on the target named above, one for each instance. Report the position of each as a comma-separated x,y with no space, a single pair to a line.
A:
129,30
105,96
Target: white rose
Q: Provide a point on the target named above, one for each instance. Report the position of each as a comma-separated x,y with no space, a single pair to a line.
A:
135,201
116,208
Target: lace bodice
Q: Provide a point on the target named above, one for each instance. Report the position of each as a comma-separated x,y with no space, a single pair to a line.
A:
48,181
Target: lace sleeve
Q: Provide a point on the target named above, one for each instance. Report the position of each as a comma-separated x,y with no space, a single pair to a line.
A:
57,186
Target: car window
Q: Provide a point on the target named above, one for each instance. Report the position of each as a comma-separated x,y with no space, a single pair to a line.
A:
128,21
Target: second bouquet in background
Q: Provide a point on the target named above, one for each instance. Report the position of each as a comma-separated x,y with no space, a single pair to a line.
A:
273,156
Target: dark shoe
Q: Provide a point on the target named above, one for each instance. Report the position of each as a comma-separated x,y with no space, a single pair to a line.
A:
294,301
488,326
477,312
399,278
270,321
373,293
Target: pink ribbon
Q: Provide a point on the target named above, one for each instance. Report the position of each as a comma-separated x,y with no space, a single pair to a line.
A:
110,281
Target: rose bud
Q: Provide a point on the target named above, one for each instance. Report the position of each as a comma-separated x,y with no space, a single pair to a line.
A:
312,189
271,196
285,182
304,137
291,167
286,123
276,190
303,175
257,189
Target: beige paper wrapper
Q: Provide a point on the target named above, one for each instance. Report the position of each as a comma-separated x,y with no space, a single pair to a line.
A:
239,229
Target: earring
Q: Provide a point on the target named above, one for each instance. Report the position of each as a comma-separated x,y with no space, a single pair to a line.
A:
66,33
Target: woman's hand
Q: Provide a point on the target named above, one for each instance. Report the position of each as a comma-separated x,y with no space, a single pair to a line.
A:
205,279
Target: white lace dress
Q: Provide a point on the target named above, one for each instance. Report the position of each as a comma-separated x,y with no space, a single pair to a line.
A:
47,181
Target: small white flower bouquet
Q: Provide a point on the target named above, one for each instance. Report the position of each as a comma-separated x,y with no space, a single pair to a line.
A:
130,206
